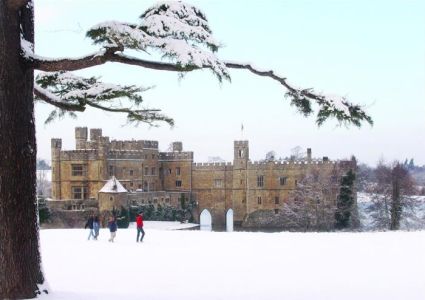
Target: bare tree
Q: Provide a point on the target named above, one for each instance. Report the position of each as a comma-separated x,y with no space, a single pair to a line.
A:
188,47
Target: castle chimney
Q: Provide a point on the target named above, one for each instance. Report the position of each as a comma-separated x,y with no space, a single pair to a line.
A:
177,146
308,153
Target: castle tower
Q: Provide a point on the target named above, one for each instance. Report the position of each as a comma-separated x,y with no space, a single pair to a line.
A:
80,137
240,155
240,180
56,147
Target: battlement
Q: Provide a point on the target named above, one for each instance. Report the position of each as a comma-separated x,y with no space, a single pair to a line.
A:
176,156
82,154
125,154
296,163
212,166
241,143
133,145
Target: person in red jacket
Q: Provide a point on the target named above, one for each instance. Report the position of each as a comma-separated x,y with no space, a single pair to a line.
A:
139,224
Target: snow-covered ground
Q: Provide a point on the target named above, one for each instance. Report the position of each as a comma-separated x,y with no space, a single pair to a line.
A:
180,264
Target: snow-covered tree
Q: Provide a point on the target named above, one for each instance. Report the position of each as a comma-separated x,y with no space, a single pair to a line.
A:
391,197
178,31
310,206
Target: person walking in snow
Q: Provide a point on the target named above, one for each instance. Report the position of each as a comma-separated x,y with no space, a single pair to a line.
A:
96,226
139,224
112,225
89,224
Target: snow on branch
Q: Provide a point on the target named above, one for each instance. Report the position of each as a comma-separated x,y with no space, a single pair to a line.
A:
69,93
329,105
181,33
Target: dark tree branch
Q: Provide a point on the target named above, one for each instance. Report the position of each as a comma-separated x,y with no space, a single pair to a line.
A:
110,55
300,97
47,97
124,110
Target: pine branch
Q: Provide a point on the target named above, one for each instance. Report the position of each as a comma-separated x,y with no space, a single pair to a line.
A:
180,32
70,93
48,97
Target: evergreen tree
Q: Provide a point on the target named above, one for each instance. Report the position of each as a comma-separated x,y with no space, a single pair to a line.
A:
123,218
186,47
345,201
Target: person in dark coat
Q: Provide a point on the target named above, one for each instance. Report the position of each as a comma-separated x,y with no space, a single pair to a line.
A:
89,224
139,225
112,225
96,226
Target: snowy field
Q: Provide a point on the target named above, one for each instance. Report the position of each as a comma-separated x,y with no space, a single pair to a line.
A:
178,264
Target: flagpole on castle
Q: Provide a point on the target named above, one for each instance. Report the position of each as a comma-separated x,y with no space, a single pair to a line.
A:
241,131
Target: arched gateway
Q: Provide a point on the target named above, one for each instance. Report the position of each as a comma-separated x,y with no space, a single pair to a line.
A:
205,220
229,220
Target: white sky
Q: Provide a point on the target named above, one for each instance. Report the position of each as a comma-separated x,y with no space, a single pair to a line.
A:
373,53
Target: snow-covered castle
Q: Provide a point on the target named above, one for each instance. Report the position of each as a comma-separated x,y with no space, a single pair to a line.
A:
150,176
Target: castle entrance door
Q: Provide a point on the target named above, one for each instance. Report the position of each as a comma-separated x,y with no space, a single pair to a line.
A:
205,220
229,220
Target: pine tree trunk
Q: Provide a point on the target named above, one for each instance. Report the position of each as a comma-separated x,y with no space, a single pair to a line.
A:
19,245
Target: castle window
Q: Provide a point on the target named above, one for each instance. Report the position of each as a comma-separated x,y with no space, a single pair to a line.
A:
276,211
169,171
153,171
167,200
282,180
218,182
79,170
139,186
131,172
153,156
146,171
79,192
240,153
178,171
155,200
259,201
276,200
260,181
131,184
178,183
296,182
111,198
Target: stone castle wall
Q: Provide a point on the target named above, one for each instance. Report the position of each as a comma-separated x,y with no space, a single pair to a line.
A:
139,165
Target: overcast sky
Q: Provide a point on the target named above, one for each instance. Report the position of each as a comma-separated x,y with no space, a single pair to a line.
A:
372,52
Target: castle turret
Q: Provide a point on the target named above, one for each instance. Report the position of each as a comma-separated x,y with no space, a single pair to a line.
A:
80,137
95,134
241,154
56,147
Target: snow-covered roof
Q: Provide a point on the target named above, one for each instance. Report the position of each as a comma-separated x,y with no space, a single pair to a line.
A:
113,186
